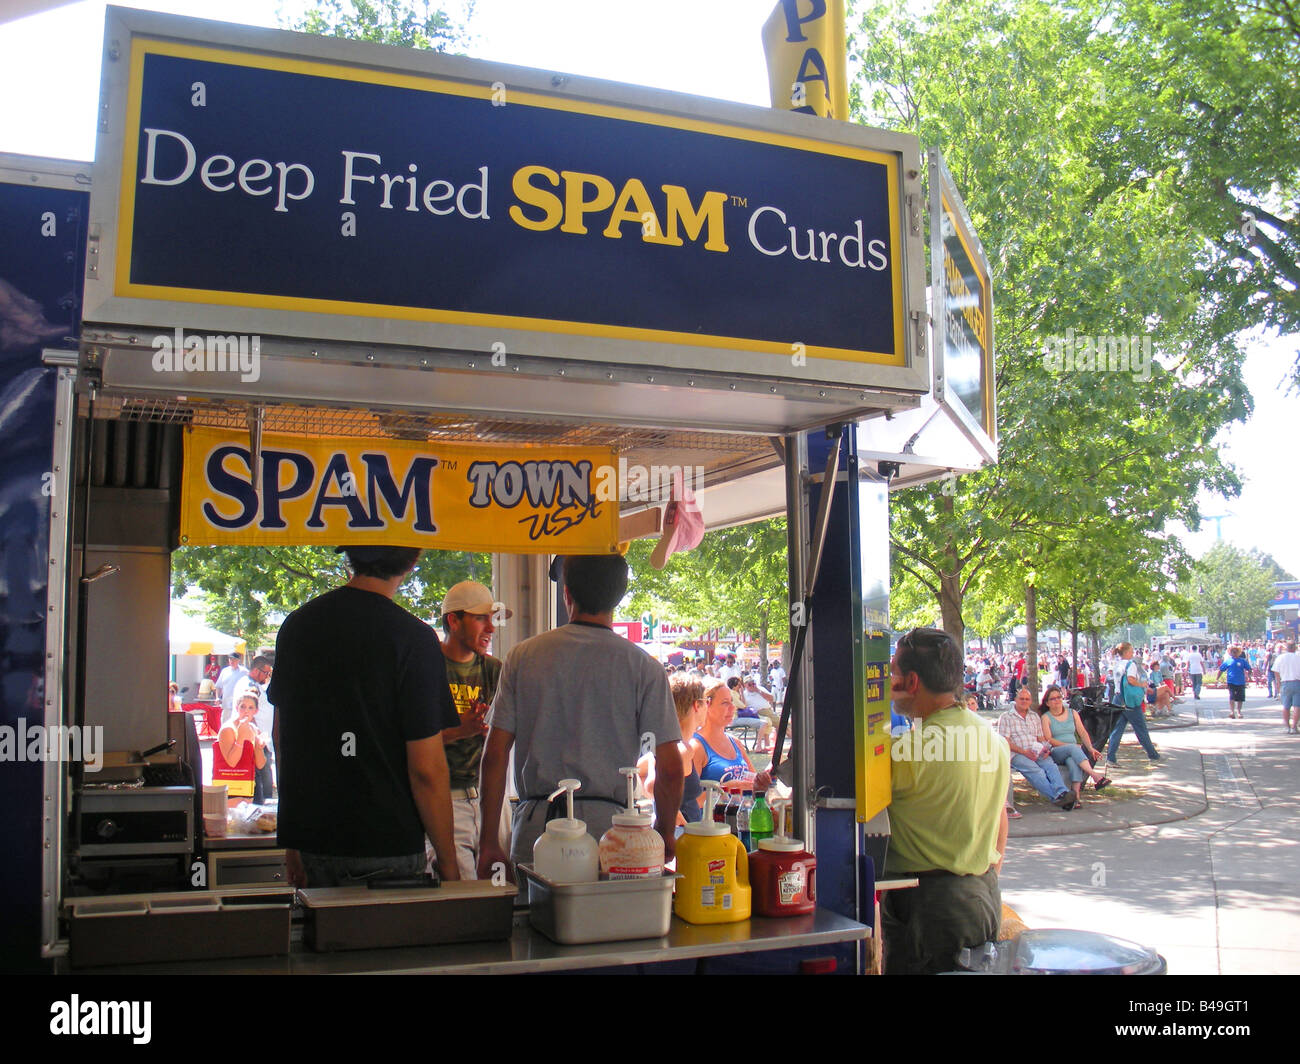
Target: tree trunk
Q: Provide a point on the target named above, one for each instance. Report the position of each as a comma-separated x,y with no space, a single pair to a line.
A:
1031,640
762,647
950,607
950,596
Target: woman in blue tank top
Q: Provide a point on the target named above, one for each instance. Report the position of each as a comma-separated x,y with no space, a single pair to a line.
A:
711,745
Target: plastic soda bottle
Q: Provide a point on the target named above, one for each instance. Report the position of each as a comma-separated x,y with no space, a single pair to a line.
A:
760,820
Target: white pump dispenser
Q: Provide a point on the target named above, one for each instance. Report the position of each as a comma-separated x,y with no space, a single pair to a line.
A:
631,849
566,853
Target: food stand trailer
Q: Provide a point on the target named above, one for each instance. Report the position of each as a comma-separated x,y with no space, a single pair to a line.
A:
341,292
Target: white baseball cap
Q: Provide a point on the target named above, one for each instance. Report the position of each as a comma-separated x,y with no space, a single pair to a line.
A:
473,597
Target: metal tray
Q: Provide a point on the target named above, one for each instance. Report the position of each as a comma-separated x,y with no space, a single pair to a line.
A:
339,918
609,910
183,926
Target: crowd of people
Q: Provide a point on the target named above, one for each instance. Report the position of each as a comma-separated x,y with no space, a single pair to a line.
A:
1169,671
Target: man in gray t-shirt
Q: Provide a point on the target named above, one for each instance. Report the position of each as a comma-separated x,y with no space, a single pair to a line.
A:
579,702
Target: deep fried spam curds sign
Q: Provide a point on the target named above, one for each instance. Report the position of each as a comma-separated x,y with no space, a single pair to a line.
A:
303,185
450,497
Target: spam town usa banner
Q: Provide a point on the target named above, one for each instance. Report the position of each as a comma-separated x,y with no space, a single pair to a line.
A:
309,185
350,491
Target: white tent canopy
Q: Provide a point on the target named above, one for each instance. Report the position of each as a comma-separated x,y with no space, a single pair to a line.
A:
188,635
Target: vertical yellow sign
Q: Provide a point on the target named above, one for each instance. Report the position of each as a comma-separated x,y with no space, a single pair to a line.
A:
804,42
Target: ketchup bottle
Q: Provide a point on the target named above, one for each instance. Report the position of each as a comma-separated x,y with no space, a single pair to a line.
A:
783,874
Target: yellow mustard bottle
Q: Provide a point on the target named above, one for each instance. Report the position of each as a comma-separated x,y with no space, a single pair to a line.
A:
714,888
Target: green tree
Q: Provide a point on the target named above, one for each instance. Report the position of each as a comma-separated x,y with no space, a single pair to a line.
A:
247,590
736,578
1232,588
412,23
1014,94
1211,86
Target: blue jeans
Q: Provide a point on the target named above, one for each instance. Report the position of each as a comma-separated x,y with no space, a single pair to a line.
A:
1196,683
326,871
1042,775
1136,718
1072,757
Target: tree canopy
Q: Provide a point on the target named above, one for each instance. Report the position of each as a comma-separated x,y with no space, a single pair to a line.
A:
736,578
247,590
1115,317
1232,588
412,23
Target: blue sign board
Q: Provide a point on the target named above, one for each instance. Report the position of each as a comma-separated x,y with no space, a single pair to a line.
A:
302,185
43,212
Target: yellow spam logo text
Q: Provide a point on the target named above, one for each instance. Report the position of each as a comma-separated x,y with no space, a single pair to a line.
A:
571,200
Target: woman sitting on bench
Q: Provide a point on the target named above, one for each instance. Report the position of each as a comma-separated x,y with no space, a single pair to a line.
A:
1063,730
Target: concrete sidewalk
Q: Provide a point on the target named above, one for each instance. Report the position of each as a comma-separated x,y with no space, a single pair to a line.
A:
1196,855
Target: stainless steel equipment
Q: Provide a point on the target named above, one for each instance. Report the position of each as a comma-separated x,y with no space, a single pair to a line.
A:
126,821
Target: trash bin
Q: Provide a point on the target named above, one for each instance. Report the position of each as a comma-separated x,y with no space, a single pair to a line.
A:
1058,951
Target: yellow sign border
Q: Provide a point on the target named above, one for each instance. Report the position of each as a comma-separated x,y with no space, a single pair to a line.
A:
142,46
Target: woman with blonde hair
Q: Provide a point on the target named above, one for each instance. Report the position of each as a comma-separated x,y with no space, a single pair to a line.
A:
688,699
240,750
711,744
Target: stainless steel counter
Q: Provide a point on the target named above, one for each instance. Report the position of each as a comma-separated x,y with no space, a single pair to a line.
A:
528,951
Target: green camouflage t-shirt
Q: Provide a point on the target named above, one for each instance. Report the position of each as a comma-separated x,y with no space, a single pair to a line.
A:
471,682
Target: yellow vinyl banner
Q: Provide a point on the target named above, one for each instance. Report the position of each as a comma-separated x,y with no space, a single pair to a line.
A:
348,491
804,42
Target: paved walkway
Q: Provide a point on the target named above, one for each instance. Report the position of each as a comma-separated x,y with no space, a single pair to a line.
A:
1197,855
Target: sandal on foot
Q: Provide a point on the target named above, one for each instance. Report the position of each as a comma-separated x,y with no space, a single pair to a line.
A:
1105,781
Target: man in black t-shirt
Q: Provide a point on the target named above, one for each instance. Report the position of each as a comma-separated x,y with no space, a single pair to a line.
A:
361,696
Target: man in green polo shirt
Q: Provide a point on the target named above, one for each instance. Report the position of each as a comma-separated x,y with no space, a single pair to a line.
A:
469,619
947,813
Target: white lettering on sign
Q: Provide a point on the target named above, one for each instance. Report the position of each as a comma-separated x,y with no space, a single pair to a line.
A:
295,180
820,246
469,201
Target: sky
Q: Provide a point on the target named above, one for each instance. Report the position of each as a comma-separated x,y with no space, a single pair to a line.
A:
49,73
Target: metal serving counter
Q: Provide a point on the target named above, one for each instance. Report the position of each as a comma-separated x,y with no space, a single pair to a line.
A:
528,951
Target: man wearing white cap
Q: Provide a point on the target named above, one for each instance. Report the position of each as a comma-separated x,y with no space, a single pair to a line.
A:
469,619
